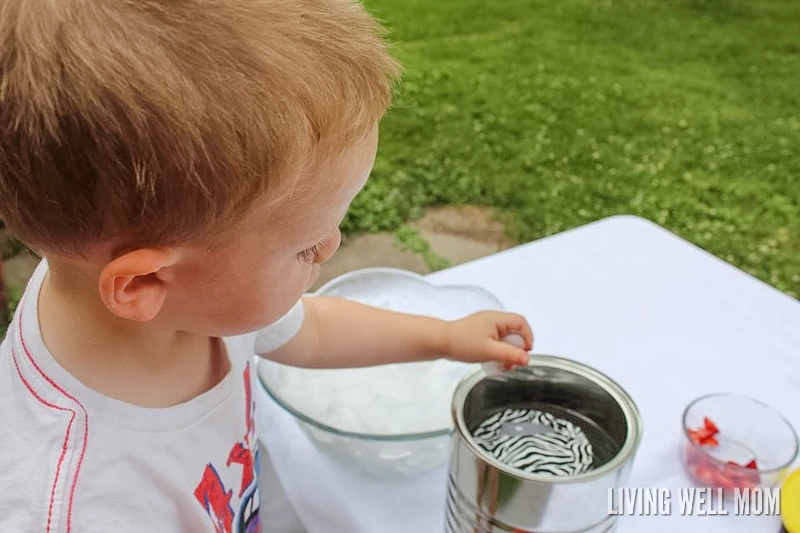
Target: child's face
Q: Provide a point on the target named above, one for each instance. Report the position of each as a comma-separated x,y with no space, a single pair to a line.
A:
259,273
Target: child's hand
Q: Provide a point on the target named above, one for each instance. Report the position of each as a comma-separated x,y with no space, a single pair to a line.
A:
478,338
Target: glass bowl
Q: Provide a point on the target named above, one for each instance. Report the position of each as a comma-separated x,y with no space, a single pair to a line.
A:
388,420
373,454
733,443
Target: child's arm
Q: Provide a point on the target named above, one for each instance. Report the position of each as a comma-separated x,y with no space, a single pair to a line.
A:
338,333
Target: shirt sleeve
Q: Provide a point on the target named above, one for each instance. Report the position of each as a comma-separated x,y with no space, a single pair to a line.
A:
279,333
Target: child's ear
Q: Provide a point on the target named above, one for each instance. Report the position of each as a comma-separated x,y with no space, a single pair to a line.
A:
133,285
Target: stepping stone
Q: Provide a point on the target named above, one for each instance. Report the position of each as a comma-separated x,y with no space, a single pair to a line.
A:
457,233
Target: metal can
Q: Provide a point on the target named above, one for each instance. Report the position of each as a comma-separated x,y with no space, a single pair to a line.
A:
487,495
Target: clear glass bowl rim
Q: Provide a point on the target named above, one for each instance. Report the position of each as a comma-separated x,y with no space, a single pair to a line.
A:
723,395
380,271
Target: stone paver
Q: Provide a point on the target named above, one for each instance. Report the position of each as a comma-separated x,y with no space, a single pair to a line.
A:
476,223
462,233
366,251
458,233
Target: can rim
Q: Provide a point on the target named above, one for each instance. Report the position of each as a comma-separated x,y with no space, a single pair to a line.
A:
631,412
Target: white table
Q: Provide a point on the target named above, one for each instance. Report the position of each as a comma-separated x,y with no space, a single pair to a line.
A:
666,320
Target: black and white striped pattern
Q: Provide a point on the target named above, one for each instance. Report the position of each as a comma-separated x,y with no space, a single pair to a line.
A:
556,448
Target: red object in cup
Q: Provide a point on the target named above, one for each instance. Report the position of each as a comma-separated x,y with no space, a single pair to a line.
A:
710,426
709,471
703,437
706,435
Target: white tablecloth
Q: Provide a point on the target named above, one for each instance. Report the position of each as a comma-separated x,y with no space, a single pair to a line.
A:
666,320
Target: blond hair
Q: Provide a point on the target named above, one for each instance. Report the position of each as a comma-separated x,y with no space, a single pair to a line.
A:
159,121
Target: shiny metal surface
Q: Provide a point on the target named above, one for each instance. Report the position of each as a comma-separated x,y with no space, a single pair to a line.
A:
486,496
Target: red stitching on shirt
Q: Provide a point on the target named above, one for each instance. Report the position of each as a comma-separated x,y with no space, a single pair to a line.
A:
85,415
66,437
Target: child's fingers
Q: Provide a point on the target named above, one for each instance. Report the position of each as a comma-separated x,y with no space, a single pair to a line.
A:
506,353
512,323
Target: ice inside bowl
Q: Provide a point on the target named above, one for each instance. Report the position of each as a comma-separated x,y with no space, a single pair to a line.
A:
388,400
390,418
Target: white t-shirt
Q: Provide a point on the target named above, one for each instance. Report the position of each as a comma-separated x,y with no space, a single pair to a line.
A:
75,461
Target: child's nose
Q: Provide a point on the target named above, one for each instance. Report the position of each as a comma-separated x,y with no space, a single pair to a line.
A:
329,248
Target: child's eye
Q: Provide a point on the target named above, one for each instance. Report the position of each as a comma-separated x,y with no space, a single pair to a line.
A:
309,254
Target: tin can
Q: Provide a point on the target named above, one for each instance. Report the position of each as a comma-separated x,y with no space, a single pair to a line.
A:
487,495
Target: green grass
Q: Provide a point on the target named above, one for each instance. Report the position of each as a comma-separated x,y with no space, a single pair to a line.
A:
562,112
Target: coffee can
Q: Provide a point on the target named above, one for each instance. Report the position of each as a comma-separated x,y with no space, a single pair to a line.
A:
538,448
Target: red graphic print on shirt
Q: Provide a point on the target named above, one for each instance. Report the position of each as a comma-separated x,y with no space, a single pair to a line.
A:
215,497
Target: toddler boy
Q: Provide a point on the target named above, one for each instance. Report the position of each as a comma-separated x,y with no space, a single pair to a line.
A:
182,166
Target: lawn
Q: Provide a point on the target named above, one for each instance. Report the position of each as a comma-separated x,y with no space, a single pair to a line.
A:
558,113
